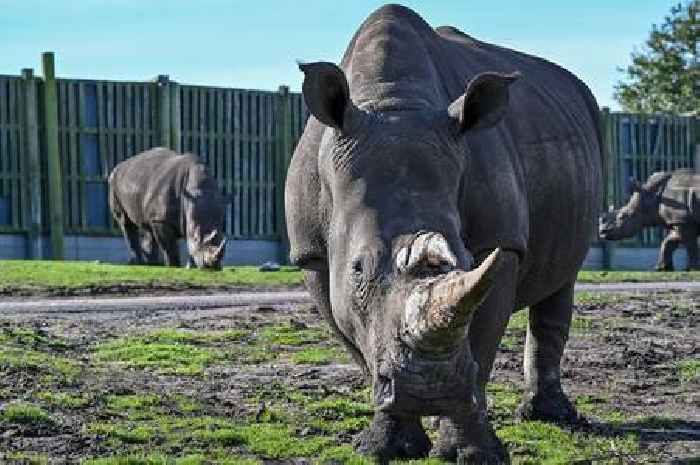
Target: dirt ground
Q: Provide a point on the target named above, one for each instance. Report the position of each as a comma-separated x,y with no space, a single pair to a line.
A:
244,384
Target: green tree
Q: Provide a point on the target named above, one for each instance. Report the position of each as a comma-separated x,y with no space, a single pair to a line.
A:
665,75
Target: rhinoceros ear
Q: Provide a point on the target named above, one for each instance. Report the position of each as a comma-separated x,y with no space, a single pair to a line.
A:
484,102
326,93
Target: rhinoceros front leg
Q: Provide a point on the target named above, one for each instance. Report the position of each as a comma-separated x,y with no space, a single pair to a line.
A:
392,436
166,238
547,333
668,246
468,433
133,241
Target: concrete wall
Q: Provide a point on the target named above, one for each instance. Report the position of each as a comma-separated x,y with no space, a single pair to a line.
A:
632,258
113,249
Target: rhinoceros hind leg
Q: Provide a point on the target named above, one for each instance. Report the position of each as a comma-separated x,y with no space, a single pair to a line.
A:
547,333
470,440
390,437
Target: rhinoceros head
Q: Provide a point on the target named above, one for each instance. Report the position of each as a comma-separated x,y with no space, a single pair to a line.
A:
204,208
641,210
402,282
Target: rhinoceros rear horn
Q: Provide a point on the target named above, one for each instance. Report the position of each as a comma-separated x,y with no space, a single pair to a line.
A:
326,93
484,102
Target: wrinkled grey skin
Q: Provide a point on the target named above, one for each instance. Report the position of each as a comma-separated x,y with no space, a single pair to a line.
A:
670,199
157,197
424,153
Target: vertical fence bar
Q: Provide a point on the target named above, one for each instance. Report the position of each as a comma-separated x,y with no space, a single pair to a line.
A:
33,164
164,116
53,155
284,144
175,117
609,157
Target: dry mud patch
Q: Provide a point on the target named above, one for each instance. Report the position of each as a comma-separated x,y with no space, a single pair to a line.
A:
237,386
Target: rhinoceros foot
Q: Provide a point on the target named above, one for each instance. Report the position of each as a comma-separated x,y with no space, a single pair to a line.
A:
390,437
470,446
552,406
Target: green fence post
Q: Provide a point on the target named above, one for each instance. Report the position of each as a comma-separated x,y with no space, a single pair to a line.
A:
163,83
608,163
284,155
32,177
54,174
175,117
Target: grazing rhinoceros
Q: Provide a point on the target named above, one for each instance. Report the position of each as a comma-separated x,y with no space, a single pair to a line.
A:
670,199
157,197
435,191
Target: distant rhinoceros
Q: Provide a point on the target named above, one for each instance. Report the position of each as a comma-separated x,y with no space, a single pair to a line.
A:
434,192
670,199
157,197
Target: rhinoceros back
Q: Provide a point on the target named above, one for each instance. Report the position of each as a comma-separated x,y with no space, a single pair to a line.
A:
681,198
149,186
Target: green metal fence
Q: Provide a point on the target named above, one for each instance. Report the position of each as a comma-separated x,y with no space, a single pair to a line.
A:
246,138
60,139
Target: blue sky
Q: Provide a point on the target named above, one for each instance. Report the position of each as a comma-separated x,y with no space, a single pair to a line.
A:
254,44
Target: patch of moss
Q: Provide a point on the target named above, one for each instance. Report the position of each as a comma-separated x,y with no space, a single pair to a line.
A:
688,370
35,338
128,460
25,458
164,358
64,399
318,356
175,336
502,400
128,433
288,335
537,443
25,413
127,402
32,360
280,441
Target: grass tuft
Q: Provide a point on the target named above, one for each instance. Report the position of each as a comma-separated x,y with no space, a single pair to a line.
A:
25,413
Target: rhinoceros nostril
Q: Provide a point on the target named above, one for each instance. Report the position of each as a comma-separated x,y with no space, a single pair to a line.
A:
429,252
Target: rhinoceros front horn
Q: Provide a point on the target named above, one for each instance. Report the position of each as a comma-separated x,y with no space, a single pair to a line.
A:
438,310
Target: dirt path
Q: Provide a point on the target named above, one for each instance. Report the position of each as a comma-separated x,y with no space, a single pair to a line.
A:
196,302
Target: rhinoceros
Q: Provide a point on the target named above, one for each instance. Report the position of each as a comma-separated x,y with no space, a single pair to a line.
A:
440,184
159,196
670,199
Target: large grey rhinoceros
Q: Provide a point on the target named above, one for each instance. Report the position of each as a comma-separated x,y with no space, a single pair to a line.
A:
157,197
441,184
670,199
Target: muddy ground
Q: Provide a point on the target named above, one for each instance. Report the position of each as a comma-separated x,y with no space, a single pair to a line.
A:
235,386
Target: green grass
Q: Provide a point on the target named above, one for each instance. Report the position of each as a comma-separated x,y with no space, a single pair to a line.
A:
287,335
688,370
63,399
537,443
16,358
596,277
25,413
167,359
318,356
67,274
